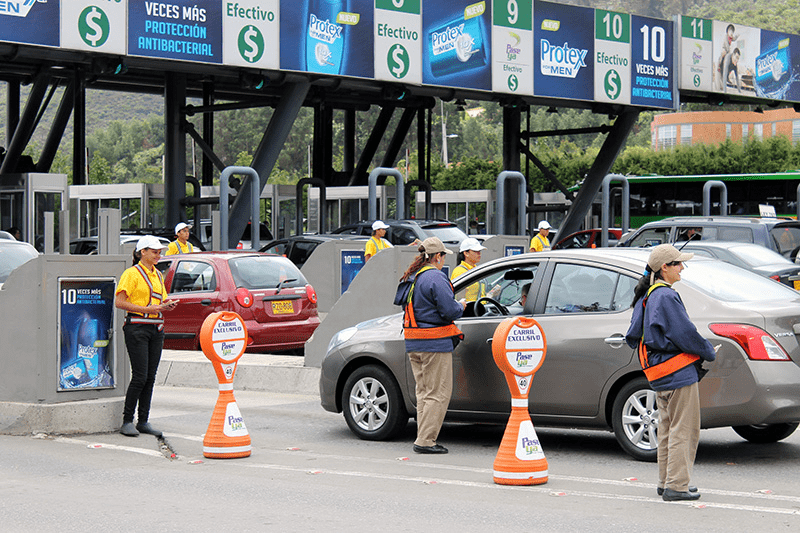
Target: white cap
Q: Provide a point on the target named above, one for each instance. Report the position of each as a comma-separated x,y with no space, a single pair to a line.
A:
180,226
544,225
378,224
471,244
149,241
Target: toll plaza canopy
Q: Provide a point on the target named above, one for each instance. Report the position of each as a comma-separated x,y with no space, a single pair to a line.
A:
350,54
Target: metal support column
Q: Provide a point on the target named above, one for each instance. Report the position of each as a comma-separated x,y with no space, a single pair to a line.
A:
12,109
19,141
371,146
208,134
399,137
421,147
349,163
174,148
57,128
602,164
79,176
511,139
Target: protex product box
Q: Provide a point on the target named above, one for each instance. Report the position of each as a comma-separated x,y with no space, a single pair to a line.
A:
773,70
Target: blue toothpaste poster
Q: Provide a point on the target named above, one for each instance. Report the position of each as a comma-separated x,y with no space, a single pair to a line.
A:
333,37
189,30
352,263
85,315
563,47
777,67
457,44
24,21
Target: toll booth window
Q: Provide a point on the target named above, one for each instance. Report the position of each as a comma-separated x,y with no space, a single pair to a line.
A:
192,276
585,289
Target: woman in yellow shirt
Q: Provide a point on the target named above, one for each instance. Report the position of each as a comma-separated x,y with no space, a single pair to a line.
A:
471,250
142,294
376,243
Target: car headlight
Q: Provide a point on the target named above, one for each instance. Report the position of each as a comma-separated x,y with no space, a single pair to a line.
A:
342,337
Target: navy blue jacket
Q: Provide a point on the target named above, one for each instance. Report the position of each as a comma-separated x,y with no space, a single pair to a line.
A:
434,305
667,331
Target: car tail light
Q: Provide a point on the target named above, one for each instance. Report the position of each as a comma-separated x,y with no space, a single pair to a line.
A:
311,293
244,297
776,277
756,343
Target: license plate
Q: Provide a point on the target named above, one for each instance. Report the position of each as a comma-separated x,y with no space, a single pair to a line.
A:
282,307
796,284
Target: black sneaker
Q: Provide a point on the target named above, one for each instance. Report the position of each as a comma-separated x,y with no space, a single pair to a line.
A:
147,428
436,448
660,491
675,496
128,430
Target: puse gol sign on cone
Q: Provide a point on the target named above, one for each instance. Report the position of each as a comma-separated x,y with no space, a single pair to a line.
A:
519,346
223,338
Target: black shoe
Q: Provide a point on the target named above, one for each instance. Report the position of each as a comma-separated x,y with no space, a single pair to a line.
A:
147,428
675,496
660,490
436,448
128,430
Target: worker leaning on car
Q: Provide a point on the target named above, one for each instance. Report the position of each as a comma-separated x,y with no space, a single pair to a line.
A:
181,244
671,352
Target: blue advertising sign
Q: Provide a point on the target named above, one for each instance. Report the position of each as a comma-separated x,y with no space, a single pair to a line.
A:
651,57
777,67
23,21
352,263
328,36
457,46
513,250
188,30
85,317
563,46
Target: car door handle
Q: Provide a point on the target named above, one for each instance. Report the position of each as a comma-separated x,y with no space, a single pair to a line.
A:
615,339
205,302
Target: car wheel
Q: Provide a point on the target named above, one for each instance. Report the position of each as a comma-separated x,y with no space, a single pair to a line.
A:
634,418
372,404
765,433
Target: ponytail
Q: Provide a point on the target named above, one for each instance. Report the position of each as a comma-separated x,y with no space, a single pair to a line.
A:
645,282
137,256
421,260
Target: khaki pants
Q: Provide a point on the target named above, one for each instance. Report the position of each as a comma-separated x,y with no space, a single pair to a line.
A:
433,372
678,434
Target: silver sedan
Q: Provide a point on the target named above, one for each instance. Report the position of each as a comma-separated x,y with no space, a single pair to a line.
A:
590,378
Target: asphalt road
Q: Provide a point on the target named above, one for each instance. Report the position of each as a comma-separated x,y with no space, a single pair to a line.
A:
307,472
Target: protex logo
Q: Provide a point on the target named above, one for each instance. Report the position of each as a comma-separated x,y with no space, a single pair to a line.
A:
561,61
323,30
17,8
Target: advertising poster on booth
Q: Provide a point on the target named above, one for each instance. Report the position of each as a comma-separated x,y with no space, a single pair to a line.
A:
328,37
94,26
457,49
352,263
251,33
85,328
512,42
23,21
777,68
563,50
653,81
188,30
398,41
612,51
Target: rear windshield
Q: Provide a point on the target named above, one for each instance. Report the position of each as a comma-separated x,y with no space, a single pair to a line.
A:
259,272
447,234
787,239
730,284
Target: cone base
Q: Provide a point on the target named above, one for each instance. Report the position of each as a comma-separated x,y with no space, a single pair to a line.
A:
530,481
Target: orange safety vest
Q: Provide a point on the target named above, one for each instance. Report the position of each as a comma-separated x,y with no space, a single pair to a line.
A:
139,318
664,368
410,328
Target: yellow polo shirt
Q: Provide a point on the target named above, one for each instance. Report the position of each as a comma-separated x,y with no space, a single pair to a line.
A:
133,284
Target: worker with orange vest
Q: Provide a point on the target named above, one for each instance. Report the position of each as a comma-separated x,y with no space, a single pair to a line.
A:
671,352
431,336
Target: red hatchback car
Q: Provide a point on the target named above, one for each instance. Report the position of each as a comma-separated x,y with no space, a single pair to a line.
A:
269,292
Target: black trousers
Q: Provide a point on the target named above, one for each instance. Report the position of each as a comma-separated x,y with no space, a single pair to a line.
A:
144,343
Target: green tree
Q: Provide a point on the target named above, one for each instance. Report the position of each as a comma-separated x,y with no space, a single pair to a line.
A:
99,170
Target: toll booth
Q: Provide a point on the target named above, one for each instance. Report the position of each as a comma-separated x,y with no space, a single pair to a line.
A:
24,200
278,210
347,205
141,205
550,206
472,211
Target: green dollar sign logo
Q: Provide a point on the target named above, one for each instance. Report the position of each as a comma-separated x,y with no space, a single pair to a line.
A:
513,82
251,44
93,26
613,84
398,61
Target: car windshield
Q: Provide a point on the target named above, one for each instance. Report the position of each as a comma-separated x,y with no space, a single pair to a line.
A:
259,272
756,256
12,256
447,234
722,282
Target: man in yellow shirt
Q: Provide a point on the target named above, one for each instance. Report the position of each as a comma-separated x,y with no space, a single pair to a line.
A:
471,250
540,243
376,243
181,244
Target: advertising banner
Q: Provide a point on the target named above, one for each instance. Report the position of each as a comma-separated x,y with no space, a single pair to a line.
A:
563,51
398,41
328,36
696,55
85,328
734,59
24,21
777,68
95,26
188,30
251,33
457,49
652,45
512,42
612,53
352,263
